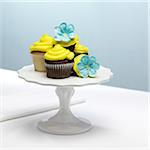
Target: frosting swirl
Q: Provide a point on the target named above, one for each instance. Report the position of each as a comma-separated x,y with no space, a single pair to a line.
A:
45,43
80,49
58,53
71,42
47,38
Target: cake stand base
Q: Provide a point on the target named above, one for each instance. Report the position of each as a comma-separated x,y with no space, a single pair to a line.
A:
64,122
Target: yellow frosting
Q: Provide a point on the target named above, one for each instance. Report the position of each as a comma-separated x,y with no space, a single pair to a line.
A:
40,48
46,42
58,53
47,38
38,43
72,42
76,61
80,49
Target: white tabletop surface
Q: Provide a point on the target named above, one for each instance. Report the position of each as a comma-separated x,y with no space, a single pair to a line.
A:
19,98
119,118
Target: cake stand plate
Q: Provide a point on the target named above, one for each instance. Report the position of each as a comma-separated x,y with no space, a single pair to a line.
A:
64,122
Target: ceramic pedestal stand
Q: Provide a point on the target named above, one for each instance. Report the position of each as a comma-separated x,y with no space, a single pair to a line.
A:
64,122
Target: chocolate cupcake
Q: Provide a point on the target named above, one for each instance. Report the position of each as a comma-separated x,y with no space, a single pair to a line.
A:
38,49
58,62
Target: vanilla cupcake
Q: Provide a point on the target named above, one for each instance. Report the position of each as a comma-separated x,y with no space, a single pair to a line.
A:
38,49
59,62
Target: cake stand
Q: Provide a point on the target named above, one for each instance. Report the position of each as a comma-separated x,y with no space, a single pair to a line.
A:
64,122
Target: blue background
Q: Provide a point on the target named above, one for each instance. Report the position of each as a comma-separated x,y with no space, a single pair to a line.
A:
116,33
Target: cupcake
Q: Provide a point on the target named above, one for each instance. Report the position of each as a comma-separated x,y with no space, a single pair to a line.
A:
58,62
80,49
38,49
64,35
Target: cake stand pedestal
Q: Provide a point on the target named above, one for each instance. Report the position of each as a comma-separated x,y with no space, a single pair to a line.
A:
64,122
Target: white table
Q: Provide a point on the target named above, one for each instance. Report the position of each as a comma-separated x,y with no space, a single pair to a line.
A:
19,98
119,117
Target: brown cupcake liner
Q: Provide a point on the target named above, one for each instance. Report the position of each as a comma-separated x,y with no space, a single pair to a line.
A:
59,71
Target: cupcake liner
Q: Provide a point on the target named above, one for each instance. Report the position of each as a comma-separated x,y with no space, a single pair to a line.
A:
38,61
59,71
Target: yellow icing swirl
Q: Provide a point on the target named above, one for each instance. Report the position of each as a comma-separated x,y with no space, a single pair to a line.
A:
46,42
47,38
58,53
80,49
76,61
72,42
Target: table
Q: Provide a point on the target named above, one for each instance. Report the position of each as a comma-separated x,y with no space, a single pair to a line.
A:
19,98
119,117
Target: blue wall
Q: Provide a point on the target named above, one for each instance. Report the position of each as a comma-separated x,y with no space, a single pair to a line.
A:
115,32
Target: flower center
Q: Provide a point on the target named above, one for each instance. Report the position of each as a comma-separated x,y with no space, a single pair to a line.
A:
87,67
65,35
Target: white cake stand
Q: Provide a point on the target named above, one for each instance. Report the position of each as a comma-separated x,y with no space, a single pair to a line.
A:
64,122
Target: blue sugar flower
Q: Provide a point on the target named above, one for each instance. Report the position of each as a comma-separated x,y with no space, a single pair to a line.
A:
88,66
64,32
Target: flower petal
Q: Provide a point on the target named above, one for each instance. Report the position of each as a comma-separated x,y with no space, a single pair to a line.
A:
84,73
85,60
70,28
58,31
93,58
92,72
80,66
90,63
63,27
96,66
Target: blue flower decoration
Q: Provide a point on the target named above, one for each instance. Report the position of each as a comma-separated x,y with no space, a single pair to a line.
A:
88,66
64,32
